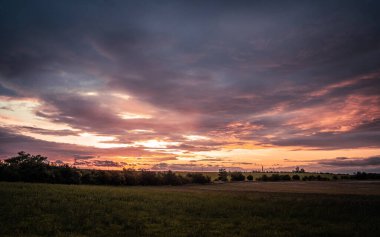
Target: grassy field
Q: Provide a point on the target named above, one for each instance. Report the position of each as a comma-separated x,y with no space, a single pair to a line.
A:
237,209
318,187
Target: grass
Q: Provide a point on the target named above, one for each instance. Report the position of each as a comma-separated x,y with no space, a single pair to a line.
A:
321,187
80,210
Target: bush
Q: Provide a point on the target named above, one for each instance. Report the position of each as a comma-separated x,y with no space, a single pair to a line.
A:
274,177
170,178
149,178
87,178
296,177
237,176
130,177
198,178
250,177
285,177
365,176
117,178
315,178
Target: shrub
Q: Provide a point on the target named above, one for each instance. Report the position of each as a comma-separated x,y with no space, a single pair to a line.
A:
365,176
87,178
199,178
237,176
131,177
275,177
296,177
170,178
149,178
117,178
285,177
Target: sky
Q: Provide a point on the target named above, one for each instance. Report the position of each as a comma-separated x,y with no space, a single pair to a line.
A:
192,85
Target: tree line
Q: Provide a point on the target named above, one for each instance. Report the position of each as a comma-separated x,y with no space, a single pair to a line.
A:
295,177
36,168
239,176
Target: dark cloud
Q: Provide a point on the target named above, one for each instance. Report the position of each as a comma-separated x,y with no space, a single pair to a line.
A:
343,162
84,157
338,164
365,135
5,91
63,132
11,143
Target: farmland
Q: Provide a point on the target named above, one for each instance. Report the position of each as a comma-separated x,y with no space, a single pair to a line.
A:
232,209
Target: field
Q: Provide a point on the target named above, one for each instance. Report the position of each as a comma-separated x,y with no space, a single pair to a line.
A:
234,209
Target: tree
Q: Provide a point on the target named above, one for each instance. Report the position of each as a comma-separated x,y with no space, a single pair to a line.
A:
117,178
26,160
250,177
223,175
87,177
130,176
237,176
27,167
149,178
298,170
296,177
170,178
199,178
285,177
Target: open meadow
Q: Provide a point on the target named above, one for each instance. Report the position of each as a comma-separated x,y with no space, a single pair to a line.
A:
234,209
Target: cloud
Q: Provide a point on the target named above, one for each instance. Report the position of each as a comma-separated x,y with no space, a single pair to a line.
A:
365,135
84,157
12,142
193,167
272,74
351,162
100,163
337,164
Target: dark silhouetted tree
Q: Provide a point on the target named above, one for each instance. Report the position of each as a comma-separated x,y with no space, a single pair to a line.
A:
250,177
237,176
223,175
296,177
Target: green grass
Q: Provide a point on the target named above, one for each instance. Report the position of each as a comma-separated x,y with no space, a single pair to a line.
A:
64,210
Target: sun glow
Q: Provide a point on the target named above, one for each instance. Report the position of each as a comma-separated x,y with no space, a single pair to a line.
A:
156,144
127,115
22,112
195,137
82,139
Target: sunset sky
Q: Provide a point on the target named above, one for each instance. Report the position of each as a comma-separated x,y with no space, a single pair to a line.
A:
192,85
